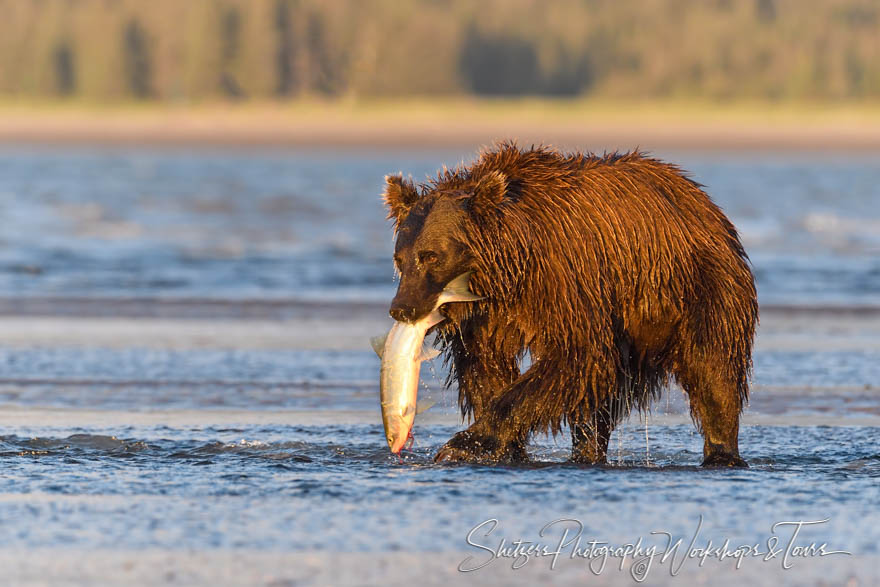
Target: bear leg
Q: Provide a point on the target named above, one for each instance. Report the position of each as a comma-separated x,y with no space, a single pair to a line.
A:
589,438
502,432
475,446
715,406
483,363
720,442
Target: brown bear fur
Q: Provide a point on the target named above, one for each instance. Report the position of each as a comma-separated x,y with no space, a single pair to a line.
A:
615,273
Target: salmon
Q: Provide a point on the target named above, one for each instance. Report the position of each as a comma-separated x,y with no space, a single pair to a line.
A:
402,353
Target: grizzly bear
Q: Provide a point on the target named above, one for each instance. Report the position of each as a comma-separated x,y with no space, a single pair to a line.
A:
615,274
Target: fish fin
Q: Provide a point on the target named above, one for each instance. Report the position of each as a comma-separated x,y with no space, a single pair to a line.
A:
424,405
435,317
378,344
428,353
458,290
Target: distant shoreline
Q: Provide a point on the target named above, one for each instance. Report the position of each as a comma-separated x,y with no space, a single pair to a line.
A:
467,124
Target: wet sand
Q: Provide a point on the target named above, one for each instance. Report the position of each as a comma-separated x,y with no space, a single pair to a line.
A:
108,567
308,325
294,326
457,125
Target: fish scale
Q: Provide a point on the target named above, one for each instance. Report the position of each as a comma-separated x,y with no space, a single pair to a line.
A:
402,352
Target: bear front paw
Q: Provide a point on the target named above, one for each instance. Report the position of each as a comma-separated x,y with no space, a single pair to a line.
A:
470,447
722,459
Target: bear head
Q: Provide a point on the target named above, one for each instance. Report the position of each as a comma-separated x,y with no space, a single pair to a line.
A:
432,247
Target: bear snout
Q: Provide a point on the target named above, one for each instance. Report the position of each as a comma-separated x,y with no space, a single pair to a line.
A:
402,313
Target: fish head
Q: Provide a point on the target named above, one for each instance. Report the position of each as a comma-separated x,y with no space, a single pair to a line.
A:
428,254
398,428
396,443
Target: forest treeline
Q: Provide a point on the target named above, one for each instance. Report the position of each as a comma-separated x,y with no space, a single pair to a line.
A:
196,50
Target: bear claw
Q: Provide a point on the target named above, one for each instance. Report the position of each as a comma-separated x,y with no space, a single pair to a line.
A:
720,459
467,447
450,454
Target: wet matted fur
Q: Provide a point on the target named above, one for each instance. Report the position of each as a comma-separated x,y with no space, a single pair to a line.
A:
615,274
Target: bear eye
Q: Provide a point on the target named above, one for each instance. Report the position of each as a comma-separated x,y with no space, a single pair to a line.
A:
426,257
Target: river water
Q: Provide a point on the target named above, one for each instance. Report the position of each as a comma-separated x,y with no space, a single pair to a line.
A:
185,379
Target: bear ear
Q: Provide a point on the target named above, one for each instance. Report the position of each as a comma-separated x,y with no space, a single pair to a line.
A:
400,196
489,193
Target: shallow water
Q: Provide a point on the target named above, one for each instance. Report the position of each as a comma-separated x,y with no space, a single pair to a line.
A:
284,450
324,487
219,437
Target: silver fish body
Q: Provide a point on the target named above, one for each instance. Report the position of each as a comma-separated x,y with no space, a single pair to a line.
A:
402,353
402,358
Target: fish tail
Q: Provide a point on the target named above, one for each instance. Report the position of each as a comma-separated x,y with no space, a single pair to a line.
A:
458,290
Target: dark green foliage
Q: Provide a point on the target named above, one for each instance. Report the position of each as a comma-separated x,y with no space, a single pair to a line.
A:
508,66
138,67
284,60
171,49
231,31
324,79
499,65
65,71
229,52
